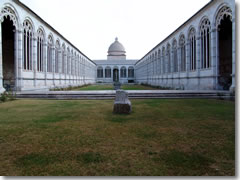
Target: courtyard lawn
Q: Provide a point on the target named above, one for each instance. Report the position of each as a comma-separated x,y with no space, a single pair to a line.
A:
161,137
110,87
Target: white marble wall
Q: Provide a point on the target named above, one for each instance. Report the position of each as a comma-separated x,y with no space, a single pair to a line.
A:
200,78
33,79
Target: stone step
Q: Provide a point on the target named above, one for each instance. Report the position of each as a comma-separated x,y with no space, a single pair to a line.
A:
131,95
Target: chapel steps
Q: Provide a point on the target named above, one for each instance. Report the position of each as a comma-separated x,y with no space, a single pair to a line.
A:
70,95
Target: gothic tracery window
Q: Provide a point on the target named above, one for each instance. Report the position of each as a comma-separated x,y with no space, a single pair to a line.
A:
57,57
63,59
183,53
50,54
205,30
28,45
163,60
40,40
192,50
168,58
68,61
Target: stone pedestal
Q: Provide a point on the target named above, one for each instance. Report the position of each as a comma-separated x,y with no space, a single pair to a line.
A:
122,105
117,85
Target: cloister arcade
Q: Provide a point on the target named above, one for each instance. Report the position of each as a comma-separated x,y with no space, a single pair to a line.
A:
33,55
200,54
124,74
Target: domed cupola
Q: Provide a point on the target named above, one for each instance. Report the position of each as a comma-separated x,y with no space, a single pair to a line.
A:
116,51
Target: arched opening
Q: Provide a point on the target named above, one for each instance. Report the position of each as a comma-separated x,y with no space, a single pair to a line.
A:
225,53
99,72
8,54
115,75
108,72
123,72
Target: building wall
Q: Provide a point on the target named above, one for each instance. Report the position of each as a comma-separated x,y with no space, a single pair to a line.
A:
83,70
150,69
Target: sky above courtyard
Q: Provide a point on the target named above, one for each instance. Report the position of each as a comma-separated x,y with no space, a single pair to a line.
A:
92,25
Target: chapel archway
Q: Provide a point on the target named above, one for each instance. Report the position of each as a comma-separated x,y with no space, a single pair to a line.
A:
224,25
115,75
8,31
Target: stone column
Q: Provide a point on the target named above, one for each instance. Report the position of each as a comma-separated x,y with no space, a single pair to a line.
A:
53,64
179,64
19,79
1,60
172,66
45,51
187,62
214,59
70,68
34,61
161,66
232,88
198,59
60,65
65,67
15,59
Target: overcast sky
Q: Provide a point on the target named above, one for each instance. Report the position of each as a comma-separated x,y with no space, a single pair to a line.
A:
92,25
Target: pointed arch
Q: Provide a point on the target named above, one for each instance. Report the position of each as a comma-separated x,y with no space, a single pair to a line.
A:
40,42
9,11
50,46
223,11
28,33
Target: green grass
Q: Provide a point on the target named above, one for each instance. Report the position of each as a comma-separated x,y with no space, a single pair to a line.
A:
110,87
160,137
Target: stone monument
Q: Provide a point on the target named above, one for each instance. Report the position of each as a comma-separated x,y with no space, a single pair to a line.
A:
122,105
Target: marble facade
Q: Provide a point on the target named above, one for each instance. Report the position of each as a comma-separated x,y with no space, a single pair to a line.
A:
199,55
